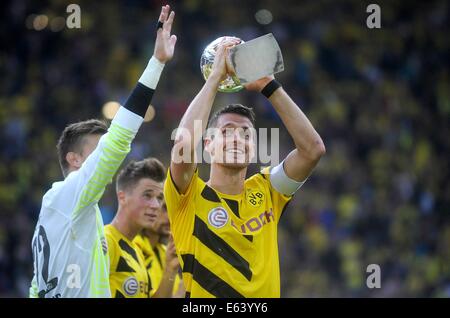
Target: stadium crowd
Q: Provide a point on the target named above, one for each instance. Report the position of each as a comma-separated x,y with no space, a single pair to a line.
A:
380,99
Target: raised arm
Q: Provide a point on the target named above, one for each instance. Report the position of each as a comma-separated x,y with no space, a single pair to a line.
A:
86,185
309,147
182,165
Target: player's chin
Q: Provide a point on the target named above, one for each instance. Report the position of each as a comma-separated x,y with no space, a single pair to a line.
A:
234,164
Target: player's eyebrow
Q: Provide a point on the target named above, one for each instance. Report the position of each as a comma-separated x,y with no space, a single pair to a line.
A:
152,191
232,125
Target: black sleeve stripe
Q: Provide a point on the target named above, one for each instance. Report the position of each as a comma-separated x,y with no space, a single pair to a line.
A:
139,99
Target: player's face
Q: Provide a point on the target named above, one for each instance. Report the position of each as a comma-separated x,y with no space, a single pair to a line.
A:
161,225
143,202
233,143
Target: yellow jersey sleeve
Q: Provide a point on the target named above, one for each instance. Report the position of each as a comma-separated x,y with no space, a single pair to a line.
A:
173,197
179,204
114,254
181,208
279,200
112,248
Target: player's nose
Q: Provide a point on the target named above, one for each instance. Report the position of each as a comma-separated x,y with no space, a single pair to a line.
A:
154,203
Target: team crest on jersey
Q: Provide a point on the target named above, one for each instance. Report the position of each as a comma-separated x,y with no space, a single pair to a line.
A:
255,198
218,217
130,286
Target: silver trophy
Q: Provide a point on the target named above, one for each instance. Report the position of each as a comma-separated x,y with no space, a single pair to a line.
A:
250,60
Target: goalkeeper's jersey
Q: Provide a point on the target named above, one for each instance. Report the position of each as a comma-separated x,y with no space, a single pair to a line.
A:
128,276
227,244
69,246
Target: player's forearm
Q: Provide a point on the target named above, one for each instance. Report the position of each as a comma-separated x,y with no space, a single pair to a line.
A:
181,292
165,288
141,96
305,137
199,109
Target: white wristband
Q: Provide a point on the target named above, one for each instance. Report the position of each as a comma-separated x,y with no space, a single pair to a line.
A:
152,72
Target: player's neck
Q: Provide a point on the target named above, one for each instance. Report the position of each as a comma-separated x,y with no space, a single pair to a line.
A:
124,227
227,180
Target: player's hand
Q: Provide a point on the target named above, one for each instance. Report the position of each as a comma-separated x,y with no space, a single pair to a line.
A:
172,263
221,66
165,43
259,85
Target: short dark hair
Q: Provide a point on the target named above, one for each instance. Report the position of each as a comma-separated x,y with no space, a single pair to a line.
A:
72,137
134,171
233,109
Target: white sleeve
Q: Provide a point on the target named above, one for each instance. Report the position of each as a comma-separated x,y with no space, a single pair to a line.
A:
282,183
85,186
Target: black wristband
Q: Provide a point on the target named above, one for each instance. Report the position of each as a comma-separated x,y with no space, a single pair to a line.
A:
139,99
270,88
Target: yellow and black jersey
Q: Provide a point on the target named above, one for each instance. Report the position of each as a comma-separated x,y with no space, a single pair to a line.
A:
128,276
155,262
227,244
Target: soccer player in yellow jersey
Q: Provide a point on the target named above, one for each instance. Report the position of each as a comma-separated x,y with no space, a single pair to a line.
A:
160,256
225,229
140,195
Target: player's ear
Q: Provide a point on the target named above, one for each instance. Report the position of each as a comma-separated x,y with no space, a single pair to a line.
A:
74,159
121,197
208,144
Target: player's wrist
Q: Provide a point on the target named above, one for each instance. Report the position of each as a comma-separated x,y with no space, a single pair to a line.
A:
214,78
159,59
171,275
270,88
152,73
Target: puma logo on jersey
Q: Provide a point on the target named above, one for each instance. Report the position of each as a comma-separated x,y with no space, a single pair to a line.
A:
255,223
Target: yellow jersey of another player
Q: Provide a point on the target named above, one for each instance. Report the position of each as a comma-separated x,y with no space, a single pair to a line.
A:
128,276
155,260
227,244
